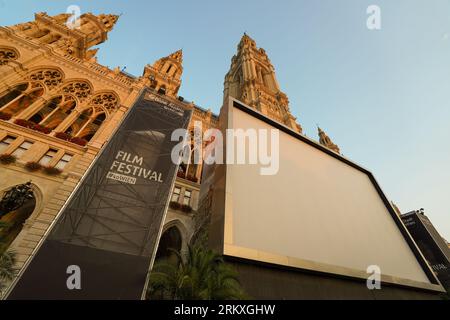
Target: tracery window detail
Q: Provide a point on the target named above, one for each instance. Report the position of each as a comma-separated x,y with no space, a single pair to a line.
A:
51,78
81,90
107,101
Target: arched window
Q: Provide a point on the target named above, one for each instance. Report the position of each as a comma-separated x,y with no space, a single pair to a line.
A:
81,89
20,97
88,131
162,90
54,111
106,100
87,124
79,122
259,74
51,78
46,109
12,94
12,222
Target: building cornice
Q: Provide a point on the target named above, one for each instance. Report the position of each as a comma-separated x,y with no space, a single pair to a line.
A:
98,72
42,137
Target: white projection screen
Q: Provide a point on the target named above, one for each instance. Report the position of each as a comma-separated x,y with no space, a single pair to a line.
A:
320,212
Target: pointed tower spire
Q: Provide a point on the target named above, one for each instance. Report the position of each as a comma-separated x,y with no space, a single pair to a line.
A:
251,79
177,55
108,20
326,141
164,76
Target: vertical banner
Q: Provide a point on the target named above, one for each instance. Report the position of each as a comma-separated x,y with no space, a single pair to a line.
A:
105,238
432,245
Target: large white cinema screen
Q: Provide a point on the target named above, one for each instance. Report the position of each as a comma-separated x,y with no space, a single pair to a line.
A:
318,212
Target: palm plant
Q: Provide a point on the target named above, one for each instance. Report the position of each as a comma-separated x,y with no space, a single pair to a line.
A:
3,225
7,269
201,275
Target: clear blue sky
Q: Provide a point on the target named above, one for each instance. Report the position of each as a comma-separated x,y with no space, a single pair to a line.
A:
382,96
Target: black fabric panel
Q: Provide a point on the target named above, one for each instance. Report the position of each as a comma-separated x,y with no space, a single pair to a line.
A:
110,226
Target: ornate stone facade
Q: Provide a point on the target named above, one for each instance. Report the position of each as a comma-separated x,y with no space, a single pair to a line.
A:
58,107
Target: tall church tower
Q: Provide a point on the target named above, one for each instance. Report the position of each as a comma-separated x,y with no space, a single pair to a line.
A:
251,79
164,76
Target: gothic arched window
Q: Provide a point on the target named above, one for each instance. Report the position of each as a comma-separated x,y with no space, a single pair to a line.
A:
54,111
87,123
107,101
81,89
20,97
49,77
79,122
12,94
88,130
171,239
162,90
14,220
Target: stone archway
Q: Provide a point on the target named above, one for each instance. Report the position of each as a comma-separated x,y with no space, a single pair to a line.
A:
170,240
12,223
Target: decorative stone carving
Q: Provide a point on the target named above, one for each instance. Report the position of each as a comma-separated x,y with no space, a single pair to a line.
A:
107,101
80,89
7,55
51,78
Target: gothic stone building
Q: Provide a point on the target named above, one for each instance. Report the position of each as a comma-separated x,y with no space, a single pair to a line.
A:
58,107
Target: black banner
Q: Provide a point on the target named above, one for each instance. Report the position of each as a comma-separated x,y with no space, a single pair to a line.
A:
431,244
105,238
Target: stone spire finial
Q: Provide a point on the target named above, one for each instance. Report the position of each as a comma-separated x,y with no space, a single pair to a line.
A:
326,141
177,55
108,20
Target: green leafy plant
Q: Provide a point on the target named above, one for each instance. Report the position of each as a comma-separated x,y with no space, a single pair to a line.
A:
51,171
7,158
31,125
63,136
33,166
201,274
181,174
5,116
186,208
79,141
192,178
67,137
175,205
7,268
